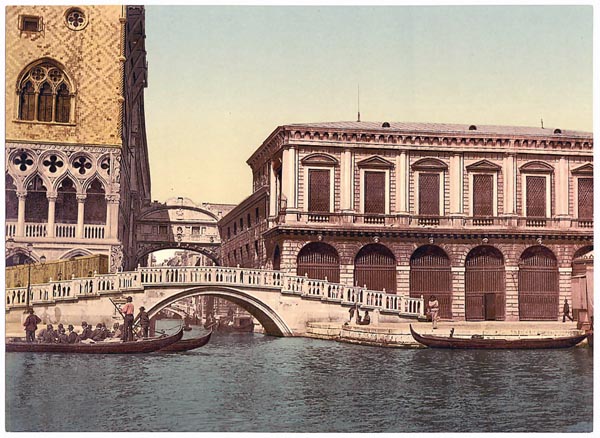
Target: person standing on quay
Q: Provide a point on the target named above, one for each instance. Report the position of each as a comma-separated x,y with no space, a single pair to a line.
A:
127,311
31,326
566,311
144,321
434,307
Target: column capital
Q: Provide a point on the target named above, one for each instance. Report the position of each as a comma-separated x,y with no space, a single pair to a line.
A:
21,194
52,197
81,197
113,198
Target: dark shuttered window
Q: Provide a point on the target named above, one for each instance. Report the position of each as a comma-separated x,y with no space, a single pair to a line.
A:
27,109
63,104
429,194
536,196
45,104
586,197
318,190
374,192
483,195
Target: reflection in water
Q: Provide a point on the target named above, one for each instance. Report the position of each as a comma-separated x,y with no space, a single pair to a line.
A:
251,383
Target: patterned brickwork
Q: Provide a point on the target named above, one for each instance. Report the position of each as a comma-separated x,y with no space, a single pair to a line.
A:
90,58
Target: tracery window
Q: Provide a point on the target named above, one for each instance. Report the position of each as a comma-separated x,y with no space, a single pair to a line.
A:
45,94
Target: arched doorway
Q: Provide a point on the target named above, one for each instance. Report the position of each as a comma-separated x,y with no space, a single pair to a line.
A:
276,259
430,275
320,261
484,284
538,285
375,267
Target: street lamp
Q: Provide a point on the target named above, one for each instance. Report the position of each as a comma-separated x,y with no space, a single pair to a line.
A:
29,263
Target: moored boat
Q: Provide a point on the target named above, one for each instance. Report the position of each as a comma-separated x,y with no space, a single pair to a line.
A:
481,342
105,347
186,344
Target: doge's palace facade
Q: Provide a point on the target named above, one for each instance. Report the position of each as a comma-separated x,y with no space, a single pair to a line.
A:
75,148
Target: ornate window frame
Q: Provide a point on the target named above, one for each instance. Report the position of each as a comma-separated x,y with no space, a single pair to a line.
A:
536,168
318,161
39,73
483,167
374,164
584,171
430,165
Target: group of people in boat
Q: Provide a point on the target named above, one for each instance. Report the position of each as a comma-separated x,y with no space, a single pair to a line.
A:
101,333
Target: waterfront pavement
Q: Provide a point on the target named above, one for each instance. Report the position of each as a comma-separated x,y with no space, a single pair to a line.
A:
398,334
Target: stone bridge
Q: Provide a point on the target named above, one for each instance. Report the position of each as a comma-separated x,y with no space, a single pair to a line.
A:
281,302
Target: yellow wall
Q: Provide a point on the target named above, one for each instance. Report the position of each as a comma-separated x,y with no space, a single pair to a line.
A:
91,59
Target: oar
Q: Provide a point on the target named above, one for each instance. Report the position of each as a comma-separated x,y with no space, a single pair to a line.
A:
121,313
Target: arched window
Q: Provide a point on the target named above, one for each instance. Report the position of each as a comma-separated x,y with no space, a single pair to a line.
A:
36,203
27,102
63,104
375,267
45,87
66,203
95,204
319,261
12,202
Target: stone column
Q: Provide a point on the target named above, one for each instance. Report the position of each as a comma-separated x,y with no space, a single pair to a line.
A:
347,186
272,191
456,185
51,208
112,216
562,193
511,286
458,292
288,176
509,188
20,231
402,183
80,214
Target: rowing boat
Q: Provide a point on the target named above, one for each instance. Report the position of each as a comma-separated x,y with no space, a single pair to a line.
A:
105,347
481,342
186,344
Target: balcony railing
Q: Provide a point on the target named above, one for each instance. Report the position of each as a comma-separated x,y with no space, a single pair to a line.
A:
419,221
61,231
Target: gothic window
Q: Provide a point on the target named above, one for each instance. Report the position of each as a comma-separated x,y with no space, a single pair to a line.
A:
36,203
63,104
585,193
45,94
66,203
483,195
95,204
27,102
12,202
318,190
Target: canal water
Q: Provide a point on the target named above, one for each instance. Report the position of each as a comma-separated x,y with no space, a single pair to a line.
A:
257,383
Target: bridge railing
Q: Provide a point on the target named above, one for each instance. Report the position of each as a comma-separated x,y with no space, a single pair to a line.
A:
279,281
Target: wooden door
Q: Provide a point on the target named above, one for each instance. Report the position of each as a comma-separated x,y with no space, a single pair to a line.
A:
484,275
430,275
375,267
538,285
319,261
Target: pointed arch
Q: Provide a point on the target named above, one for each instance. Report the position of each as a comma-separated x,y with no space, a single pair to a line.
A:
36,203
66,201
95,203
12,201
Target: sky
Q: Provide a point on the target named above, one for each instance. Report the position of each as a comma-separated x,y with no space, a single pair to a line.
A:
222,78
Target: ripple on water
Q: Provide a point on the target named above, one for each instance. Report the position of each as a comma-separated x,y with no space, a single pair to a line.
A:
256,383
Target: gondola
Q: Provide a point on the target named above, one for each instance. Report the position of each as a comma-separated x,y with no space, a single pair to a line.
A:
480,342
131,347
186,344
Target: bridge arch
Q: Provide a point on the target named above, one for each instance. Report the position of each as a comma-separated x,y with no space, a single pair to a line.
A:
271,321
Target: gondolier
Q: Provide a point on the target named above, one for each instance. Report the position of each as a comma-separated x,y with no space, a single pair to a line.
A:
31,326
127,311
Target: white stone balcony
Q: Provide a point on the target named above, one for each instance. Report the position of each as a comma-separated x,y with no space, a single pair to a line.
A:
61,231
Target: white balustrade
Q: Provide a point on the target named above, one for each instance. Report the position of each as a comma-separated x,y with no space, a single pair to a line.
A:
191,275
64,230
11,229
35,230
93,231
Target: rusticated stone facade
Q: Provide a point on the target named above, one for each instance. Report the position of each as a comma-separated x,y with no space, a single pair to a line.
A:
76,153
487,218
